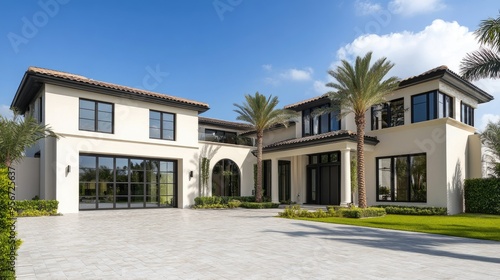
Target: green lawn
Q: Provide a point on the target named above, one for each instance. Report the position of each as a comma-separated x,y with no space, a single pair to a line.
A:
463,225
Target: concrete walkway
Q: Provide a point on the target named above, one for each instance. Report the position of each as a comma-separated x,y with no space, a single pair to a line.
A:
238,244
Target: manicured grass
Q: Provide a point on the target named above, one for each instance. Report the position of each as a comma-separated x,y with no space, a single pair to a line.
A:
464,225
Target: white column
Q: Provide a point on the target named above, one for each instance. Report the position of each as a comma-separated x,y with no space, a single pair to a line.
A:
345,177
274,181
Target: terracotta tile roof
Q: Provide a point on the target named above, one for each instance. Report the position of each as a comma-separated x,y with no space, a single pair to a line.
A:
298,104
430,74
229,124
324,137
85,80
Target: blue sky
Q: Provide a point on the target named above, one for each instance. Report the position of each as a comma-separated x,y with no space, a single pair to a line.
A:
216,51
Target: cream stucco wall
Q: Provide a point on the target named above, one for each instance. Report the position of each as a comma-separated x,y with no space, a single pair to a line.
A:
27,178
241,155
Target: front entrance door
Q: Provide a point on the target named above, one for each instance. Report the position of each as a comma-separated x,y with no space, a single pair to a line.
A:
323,179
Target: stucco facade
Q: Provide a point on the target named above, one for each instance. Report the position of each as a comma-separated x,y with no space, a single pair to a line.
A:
408,161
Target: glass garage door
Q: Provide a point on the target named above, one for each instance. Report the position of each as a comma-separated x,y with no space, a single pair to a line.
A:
108,182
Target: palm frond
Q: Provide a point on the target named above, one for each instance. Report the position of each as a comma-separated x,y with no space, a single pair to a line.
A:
483,63
488,33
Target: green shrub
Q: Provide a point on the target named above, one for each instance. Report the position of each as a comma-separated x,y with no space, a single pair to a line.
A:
9,243
31,208
295,211
355,212
482,196
207,200
414,210
234,203
211,206
259,205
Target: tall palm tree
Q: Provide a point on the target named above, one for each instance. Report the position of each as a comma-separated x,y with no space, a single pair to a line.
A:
357,88
17,134
261,113
485,62
491,139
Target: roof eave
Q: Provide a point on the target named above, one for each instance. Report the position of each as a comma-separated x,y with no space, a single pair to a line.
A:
349,138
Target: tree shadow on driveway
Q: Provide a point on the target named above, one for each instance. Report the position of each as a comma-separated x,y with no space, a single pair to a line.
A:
412,242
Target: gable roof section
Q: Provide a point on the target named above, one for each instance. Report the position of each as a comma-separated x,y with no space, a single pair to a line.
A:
442,72
328,137
224,124
35,77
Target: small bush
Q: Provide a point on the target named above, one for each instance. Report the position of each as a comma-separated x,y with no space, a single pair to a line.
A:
414,210
482,196
295,211
261,205
355,212
234,203
207,200
211,206
32,208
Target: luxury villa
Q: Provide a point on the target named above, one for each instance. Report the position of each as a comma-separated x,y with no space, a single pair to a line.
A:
123,147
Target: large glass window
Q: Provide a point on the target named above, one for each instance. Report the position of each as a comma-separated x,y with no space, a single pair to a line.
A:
161,125
431,105
402,178
467,114
96,116
313,124
388,114
114,182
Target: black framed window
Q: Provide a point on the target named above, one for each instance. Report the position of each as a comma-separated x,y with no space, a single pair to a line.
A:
388,114
96,116
402,178
221,136
161,125
316,124
431,105
466,114
266,178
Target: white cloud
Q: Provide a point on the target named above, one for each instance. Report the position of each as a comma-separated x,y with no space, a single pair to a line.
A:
414,7
5,111
298,75
320,87
367,7
271,81
267,67
441,43
486,118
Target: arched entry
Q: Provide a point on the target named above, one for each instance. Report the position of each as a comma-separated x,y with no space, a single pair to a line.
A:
226,178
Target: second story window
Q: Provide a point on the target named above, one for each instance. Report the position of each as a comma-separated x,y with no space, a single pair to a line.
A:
96,116
313,124
467,114
388,114
431,105
161,125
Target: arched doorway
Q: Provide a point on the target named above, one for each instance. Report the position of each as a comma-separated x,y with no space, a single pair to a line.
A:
226,178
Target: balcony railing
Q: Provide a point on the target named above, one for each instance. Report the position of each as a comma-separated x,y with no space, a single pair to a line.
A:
236,140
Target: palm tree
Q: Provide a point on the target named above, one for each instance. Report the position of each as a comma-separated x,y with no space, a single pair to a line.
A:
359,87
485,62
18,134
491,139
261,113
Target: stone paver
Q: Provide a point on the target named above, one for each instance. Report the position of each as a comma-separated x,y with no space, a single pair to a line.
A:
238,244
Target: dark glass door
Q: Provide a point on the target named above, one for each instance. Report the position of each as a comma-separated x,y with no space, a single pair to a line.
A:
284,180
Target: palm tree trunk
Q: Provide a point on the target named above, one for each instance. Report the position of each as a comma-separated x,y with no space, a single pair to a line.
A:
360,131
258,190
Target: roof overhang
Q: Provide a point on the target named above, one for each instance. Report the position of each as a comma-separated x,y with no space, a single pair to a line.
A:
329,137
33,81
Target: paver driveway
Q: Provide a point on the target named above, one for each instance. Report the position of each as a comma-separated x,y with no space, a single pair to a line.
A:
238,244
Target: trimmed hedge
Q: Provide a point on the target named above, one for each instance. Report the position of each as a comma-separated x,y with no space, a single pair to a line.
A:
355,212
295,211
414,210
204,200
9,243
30,208
259,205
482,196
